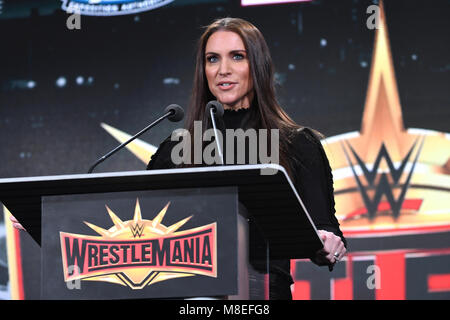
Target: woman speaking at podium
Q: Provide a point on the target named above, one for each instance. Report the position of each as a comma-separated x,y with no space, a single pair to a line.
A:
234,67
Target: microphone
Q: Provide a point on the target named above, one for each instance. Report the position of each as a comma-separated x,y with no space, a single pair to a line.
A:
173,112
215,108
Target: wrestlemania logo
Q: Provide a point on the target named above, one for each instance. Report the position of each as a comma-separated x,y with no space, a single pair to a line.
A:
111,7
138,252
388,179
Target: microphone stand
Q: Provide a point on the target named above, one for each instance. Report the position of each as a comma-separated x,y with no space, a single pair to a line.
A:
219,147
215,107
172,110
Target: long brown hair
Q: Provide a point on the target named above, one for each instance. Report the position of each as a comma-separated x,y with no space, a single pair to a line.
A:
267,112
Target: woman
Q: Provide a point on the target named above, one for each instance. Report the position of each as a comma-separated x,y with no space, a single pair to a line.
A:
234,66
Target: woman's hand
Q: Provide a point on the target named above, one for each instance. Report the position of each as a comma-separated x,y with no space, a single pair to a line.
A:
333,249
16,223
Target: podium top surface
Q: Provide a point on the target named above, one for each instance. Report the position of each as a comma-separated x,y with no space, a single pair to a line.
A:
271,199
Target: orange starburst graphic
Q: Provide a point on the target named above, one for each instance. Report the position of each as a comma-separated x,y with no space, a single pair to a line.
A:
137,227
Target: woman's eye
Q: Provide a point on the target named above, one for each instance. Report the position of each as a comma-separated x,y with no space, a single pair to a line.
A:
211,59
238,56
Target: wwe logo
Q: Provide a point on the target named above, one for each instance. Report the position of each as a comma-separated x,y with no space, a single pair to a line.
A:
137,230
383,187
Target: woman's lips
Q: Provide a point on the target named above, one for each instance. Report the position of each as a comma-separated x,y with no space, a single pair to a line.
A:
226,85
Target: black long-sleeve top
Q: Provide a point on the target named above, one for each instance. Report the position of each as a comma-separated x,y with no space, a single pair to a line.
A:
310,174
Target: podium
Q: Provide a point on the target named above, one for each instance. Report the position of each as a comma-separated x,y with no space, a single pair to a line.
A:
178,233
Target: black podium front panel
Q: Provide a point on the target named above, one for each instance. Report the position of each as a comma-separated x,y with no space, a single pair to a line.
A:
145,244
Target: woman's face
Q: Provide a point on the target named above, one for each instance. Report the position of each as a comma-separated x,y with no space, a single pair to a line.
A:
227,70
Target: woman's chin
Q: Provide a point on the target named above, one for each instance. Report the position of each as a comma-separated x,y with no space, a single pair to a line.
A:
229,104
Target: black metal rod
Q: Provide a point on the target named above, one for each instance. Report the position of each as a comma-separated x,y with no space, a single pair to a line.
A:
106,156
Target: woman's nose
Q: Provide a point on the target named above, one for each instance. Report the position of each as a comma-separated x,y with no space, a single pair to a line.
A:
224,68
